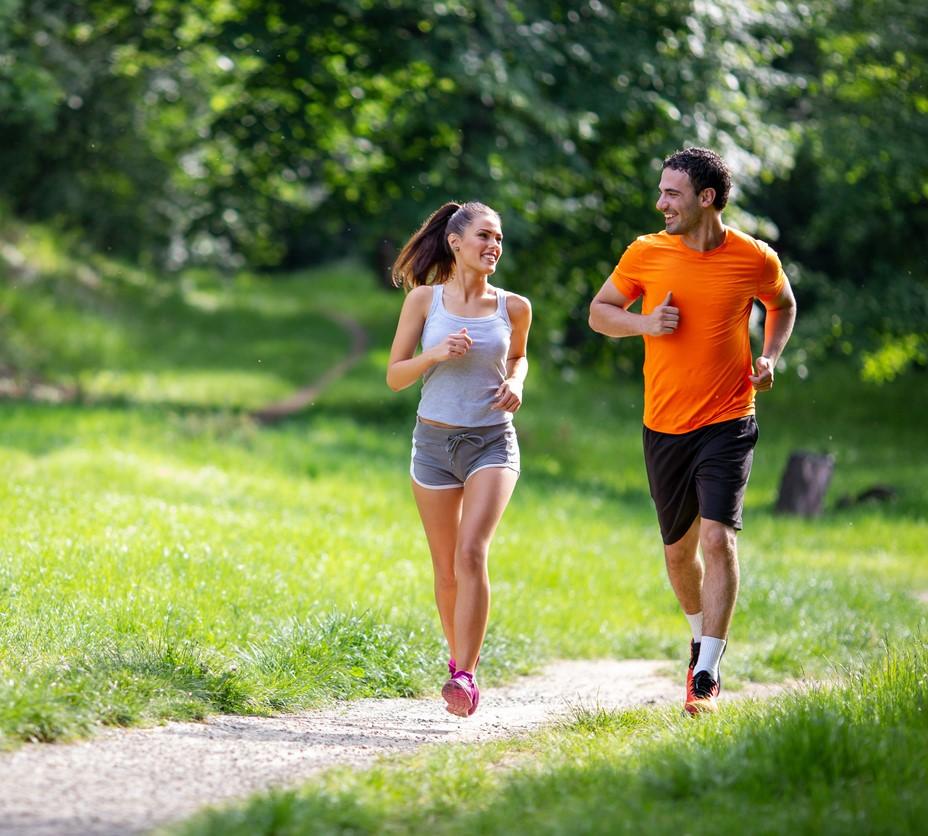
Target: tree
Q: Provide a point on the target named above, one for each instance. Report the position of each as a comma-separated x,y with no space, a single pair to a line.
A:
279,133
350,121
854,208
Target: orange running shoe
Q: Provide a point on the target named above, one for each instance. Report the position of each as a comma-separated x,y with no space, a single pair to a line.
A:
694,658
701,697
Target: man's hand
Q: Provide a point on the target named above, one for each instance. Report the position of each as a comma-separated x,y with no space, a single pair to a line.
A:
663,320
763,379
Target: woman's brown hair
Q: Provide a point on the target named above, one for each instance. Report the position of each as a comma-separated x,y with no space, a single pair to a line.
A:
427,258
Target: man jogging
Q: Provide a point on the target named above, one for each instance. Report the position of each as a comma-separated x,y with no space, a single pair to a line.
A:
698,280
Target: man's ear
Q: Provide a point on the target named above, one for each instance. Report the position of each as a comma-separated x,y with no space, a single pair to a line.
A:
707,197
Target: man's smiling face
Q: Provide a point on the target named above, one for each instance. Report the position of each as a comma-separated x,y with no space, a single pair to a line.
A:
678,202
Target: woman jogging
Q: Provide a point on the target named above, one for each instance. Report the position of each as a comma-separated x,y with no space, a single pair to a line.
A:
465,455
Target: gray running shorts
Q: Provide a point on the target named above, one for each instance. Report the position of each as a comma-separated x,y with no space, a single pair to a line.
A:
444,457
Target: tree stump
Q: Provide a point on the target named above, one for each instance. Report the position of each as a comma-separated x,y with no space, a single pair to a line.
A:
804,482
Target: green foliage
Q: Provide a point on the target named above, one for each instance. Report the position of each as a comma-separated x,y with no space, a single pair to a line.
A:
72,148
28,92
894,356
877,327
283,131
273,133
860,177
855,205
556,115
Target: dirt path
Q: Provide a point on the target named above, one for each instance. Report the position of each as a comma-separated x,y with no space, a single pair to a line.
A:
304,397
129,781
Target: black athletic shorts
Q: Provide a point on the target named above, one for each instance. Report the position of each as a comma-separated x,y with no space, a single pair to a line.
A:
700,473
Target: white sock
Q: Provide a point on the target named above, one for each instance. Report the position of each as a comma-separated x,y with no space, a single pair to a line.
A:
695,620
710,654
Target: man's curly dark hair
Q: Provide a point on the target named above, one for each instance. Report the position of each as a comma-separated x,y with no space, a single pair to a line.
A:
706,170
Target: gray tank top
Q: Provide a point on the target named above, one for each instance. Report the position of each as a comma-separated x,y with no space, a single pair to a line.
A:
460,391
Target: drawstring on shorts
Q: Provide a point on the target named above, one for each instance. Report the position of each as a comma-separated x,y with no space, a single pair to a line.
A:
455,441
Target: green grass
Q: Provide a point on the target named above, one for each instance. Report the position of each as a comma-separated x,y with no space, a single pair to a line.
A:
163,556
848,758
120,334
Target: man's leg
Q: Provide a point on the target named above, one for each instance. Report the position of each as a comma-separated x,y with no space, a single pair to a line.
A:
719,545
685,569
721,477
719,592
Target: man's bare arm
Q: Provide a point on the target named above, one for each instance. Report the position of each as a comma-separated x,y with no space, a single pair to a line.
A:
609,315
781,315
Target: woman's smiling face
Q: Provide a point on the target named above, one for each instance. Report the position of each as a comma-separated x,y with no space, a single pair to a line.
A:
480,247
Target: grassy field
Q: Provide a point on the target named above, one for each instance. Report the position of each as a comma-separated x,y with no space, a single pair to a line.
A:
163,556
834,760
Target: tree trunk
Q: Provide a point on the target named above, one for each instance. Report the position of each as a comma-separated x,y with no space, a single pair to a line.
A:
804,482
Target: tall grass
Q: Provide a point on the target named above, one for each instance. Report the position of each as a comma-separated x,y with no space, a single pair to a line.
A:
164,556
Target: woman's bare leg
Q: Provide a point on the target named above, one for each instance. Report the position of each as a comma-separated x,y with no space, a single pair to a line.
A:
440,511
486,495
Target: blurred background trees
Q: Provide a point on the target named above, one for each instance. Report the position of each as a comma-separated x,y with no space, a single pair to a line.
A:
279,134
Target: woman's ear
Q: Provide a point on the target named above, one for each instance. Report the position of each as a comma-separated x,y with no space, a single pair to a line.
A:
454,241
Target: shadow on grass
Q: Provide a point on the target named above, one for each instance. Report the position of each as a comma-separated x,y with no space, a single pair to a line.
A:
388,415
42,429
589,486
137,333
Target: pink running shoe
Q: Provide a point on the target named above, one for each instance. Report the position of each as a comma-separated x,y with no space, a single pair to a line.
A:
462,694
473,708
453,666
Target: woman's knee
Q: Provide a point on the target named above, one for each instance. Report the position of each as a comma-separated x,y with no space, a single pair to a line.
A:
470,558
445,579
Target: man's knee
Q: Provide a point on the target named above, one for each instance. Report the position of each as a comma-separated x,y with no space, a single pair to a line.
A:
680,554
718,541
683,551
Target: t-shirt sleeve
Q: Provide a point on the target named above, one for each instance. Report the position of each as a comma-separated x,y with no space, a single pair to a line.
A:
772,279
626,276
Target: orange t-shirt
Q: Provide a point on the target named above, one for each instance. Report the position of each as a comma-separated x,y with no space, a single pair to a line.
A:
698,375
